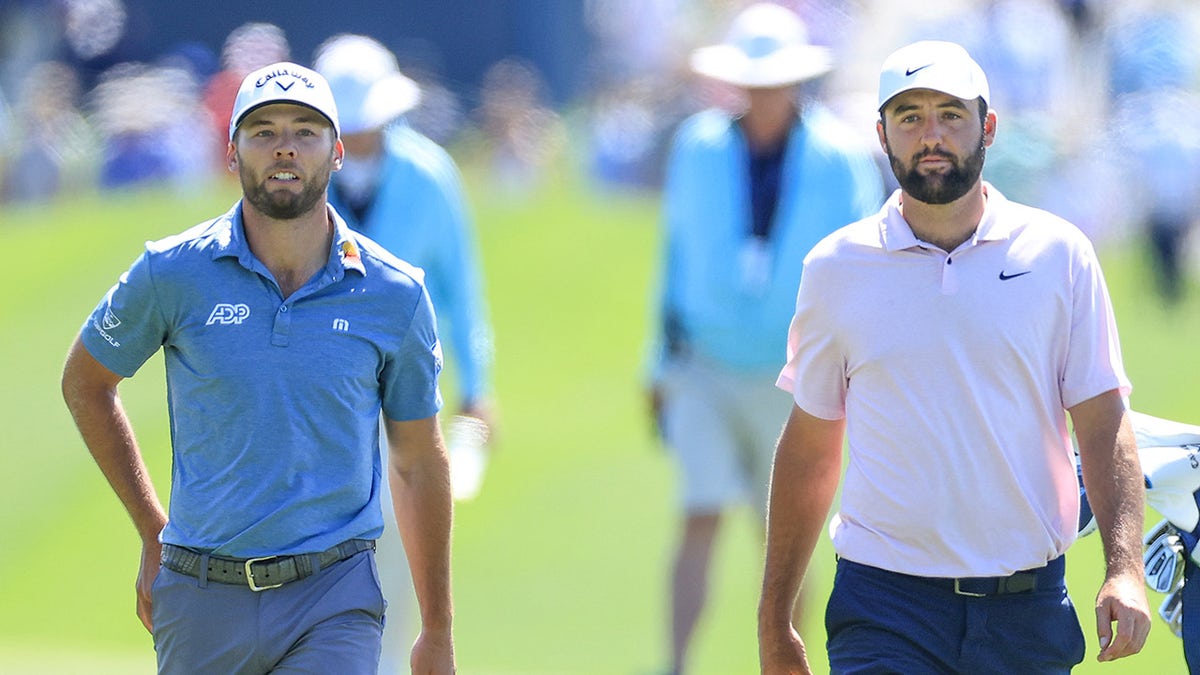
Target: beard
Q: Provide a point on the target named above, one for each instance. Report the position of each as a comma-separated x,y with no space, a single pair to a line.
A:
939,188
283,204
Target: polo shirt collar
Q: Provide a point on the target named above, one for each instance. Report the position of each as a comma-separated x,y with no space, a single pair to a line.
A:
346,253
897,235
230,241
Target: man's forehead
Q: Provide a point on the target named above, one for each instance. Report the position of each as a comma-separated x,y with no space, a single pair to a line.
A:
284,112
914,98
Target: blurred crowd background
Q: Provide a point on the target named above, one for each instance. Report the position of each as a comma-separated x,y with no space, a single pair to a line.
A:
1098,99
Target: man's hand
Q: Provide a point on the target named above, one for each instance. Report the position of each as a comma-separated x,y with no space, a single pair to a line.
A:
147,573
483,410
433,654
1122,599
783,655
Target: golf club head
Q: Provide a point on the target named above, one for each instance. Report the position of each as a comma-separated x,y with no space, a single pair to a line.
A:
1171,610
1163,558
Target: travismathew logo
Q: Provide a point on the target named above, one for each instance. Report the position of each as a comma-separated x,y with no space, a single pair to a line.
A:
280,73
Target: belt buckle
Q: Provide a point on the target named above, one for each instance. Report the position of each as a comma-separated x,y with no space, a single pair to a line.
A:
250,575
959,591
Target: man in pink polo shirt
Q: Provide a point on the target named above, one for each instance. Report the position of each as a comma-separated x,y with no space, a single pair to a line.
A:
948,337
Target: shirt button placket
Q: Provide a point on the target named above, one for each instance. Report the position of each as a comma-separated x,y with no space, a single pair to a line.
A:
283,326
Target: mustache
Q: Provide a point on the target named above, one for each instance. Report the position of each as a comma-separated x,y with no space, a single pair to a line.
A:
935,153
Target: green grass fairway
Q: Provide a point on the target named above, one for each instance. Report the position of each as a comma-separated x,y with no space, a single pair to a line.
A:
561,563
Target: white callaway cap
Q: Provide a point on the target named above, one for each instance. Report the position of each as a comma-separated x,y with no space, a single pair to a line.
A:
930,64
284,83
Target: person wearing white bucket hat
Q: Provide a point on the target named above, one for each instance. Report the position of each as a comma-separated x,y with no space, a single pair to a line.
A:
948,338
405,192
400,188
286,335
746,195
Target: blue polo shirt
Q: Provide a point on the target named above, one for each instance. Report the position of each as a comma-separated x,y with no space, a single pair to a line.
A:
419,213
274,404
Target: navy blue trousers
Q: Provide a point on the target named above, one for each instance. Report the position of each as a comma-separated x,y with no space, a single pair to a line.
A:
884,622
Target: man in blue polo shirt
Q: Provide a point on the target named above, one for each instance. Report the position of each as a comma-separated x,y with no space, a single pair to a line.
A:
285,335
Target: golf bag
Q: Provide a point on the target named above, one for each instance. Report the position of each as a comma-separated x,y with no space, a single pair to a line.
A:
1170,457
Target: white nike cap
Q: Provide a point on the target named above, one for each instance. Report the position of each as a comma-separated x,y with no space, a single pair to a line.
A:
931,64
284,83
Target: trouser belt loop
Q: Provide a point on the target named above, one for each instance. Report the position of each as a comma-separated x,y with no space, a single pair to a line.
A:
202,570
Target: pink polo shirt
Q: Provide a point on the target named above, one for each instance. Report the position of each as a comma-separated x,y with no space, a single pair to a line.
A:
954,372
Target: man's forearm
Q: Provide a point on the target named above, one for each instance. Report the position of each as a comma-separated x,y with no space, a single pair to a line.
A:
803,482
424,516
102,423
1114,482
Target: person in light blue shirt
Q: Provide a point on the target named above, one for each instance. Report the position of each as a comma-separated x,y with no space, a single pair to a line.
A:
404,191
746,196
286,335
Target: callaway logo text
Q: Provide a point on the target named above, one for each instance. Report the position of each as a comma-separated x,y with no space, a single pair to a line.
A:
280,73
226,313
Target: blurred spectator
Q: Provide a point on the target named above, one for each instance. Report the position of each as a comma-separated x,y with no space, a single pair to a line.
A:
747,194
629,129
1154,60
522,135
404,191
151,123
51,145
247,48
439,114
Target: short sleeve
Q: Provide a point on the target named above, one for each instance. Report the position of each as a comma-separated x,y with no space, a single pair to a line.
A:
1094,364
409,380
815,373
127,327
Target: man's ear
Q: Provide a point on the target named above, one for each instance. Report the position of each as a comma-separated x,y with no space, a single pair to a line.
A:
231,158
989,128
339,153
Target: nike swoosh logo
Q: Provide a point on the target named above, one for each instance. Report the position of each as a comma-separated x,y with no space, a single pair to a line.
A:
1006,277
910,72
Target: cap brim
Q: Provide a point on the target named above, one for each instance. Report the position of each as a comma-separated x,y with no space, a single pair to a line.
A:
788,65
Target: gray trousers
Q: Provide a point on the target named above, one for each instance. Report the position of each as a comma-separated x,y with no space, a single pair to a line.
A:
330,622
